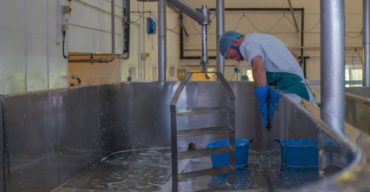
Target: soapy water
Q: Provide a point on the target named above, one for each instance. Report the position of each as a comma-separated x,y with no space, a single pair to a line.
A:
150,170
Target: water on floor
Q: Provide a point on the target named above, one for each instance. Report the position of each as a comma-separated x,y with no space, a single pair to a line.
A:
150,170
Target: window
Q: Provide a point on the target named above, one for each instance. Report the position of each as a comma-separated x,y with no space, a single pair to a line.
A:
353,75
249,74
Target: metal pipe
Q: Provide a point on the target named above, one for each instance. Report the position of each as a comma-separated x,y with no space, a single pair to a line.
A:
366,42
220,15
162,41
292,12
188,10
303,58
113,27
204,59
332,63
124,20
92,60
47,48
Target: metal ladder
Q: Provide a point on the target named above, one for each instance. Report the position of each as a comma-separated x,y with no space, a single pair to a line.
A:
227,129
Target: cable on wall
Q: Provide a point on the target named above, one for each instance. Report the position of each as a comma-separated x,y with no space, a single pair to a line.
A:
63,45
257,28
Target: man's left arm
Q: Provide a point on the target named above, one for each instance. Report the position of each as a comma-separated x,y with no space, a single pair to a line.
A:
259,72
262,90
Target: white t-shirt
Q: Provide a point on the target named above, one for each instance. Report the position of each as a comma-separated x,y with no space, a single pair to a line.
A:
275,53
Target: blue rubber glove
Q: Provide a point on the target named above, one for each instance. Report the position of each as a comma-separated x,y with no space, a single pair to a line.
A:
262,95
274,98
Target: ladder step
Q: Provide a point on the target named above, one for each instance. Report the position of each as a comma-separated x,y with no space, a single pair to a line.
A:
203,131
205,172
203,152
202,110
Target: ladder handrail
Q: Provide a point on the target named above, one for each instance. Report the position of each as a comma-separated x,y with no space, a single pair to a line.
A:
182,85
178,91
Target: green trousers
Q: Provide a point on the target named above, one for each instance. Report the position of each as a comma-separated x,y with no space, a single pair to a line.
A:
288,82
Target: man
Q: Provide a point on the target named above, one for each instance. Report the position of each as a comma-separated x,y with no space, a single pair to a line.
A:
273,64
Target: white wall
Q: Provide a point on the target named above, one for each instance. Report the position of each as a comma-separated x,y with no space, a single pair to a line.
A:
30,58
31,54
141,44
31,40
89,27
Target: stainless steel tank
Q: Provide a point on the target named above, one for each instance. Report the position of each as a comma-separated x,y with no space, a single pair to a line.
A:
117,138
358,107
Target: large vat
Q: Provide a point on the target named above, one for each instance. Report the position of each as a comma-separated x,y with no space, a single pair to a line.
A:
117,137
358,107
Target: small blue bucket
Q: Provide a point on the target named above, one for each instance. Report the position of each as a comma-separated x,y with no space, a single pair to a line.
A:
299,153
223,159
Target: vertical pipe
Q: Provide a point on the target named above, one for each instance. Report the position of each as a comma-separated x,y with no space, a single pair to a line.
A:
25,46
366,42
220,15
204,59
204,47
113,27
162,41
124,20
303,60
181,20
332,63
47,47
142,54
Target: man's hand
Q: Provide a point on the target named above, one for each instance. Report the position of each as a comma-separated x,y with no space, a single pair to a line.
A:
262,95
268,101
273,102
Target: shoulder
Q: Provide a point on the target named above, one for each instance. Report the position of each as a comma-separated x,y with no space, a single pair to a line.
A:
258,37
252,36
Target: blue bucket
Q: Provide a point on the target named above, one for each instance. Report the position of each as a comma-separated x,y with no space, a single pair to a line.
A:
223,159
299,153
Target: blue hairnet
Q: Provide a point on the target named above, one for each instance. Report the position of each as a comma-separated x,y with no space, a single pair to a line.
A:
226,41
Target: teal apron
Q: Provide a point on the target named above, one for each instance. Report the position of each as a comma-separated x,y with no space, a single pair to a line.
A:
288,82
